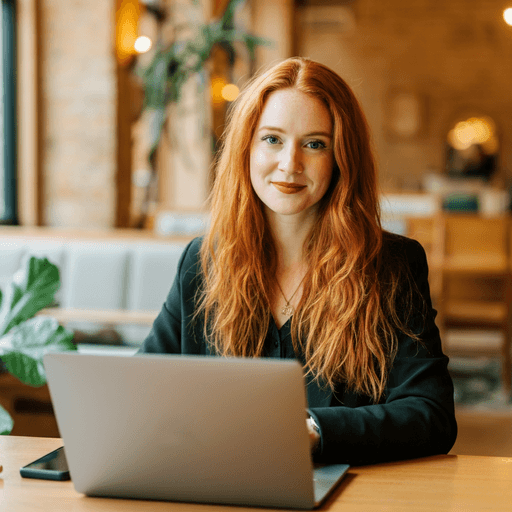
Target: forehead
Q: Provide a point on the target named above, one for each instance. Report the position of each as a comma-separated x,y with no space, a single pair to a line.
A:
291,108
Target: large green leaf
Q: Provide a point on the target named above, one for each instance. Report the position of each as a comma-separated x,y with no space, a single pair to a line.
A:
32,288
23,347
6,422
228,16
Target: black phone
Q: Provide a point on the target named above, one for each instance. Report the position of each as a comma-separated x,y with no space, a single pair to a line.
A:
52,466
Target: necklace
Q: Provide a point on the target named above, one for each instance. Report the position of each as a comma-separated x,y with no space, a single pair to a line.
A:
287,309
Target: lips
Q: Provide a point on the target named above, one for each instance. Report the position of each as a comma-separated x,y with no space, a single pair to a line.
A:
288,188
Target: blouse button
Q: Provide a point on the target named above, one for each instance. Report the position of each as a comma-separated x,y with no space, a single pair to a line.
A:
276,343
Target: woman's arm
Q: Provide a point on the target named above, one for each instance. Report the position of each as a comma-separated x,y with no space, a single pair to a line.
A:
416,417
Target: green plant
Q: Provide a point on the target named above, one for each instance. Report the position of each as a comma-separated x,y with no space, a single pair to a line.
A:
25,338
175,63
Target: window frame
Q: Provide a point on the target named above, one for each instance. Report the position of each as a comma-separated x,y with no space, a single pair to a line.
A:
8,214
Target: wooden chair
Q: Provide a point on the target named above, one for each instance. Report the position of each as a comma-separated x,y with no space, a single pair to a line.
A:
475,285
424,230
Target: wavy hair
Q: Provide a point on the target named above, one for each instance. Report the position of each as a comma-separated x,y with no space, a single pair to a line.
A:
345,323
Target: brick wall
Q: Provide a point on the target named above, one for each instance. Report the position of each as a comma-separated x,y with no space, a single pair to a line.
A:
78,112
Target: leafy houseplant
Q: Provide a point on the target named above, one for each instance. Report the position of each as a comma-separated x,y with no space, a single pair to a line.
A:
186,56
25,338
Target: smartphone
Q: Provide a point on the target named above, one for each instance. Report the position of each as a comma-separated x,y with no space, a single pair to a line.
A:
52,466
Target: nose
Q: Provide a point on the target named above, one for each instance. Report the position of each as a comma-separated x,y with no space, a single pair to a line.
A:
290,160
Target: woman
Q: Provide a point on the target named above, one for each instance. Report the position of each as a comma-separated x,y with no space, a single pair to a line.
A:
296,265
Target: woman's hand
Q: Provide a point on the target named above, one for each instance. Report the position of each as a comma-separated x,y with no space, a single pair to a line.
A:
314,435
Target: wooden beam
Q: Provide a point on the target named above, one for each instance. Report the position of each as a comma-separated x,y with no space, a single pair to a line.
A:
124,147
218,7
30,183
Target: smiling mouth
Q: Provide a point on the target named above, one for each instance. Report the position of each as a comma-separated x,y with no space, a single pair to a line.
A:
288,188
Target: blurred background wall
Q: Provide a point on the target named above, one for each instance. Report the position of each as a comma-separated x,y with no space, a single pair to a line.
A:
417,66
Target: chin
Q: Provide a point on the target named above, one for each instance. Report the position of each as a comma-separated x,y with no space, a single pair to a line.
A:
280,210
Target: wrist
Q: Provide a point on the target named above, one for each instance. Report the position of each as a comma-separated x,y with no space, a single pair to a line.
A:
314,433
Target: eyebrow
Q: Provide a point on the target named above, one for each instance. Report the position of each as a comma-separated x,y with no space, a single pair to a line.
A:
311,134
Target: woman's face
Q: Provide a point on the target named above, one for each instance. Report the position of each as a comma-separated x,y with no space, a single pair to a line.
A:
291,159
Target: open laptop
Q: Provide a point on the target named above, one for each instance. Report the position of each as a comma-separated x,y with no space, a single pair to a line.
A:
187,428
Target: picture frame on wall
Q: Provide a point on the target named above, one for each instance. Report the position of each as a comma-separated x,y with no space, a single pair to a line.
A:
405,114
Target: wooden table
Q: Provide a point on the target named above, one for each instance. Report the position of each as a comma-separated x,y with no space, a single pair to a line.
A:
441,483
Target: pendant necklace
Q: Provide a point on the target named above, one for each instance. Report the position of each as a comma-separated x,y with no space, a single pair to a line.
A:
287,310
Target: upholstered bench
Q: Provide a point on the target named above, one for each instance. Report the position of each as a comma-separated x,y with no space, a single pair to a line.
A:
108,278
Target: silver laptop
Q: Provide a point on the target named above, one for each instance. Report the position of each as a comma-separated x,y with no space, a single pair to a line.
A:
187,428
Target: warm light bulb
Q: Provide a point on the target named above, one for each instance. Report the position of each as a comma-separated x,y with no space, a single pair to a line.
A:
507,16
465,133
230,92
482,130
455,140
475,130
127,18
143,44
217,85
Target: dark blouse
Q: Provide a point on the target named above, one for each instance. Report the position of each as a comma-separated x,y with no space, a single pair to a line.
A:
414,418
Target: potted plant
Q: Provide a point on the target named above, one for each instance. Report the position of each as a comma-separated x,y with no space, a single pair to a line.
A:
24,337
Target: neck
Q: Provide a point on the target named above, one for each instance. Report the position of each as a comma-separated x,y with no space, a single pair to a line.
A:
290,233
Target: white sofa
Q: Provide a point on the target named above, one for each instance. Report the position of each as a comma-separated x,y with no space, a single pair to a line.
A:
118,270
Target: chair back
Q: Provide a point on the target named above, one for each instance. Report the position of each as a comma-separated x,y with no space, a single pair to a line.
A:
475,243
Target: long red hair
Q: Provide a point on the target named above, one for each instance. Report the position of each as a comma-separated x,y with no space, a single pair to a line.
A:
345,324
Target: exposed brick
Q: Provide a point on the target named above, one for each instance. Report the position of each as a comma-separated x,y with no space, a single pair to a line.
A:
79,100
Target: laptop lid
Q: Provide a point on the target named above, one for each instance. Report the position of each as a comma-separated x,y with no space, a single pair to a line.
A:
184,428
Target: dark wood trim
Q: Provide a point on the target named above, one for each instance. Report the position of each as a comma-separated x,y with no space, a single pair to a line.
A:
9,117
124,146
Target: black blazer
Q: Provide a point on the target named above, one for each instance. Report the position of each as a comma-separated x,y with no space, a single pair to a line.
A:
415,417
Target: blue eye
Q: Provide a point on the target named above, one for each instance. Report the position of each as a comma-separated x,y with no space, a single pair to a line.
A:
271,139
316,144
